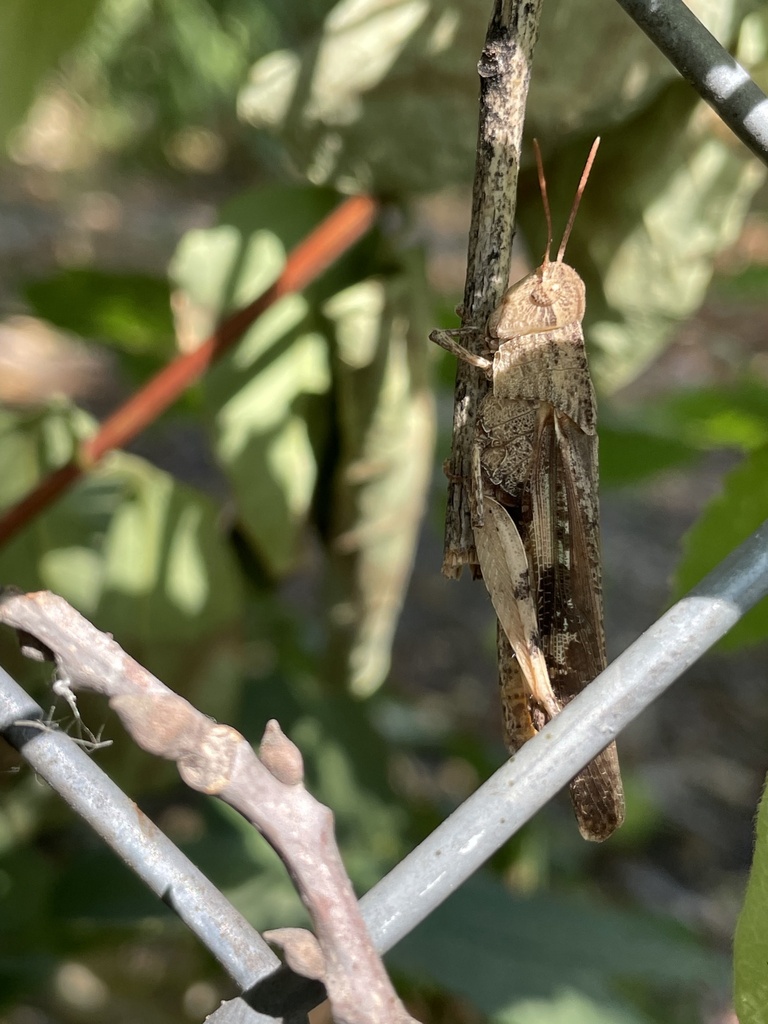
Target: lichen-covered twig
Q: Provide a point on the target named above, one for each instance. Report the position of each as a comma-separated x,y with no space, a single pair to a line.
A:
266,788
505,73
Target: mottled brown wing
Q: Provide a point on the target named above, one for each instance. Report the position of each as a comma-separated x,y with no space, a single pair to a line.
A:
563,545
564,550
517,711
597,792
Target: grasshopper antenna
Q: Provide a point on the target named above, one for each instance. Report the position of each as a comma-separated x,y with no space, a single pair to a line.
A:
579,192
544,198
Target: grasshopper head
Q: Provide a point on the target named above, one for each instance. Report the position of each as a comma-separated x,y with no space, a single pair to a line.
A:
551,297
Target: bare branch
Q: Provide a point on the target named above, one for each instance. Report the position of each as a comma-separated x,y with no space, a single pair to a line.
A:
266,789
505,73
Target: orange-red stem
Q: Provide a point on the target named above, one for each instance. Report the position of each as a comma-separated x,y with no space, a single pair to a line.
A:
322,247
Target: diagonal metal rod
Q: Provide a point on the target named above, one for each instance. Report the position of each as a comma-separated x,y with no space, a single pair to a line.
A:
458,847
522,786
707,66
138,841
549,761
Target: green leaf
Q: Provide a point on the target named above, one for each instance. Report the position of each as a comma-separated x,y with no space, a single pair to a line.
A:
725,522
384,97
718,417
33,443
568,1007
628,455
160,80
130,312
384,420
515,957
261,434
268,398
230,264
59,548
133,549
166,564
256,394
750,944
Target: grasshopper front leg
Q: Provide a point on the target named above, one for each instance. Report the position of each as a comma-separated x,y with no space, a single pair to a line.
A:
446,340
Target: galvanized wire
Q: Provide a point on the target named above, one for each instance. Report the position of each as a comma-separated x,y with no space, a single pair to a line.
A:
502,805
710,69
484,822
458,847
138,841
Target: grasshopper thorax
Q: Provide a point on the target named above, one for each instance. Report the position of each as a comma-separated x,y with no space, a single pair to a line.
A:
551,297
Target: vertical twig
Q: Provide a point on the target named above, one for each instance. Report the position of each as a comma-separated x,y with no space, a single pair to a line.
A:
505,73
265,787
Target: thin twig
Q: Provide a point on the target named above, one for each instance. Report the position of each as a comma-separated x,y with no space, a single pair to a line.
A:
505,72
267,789
337,233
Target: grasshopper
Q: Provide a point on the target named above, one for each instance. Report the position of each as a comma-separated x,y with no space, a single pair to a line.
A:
535,514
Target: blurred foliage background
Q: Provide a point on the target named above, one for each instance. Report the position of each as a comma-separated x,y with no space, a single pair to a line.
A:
271,546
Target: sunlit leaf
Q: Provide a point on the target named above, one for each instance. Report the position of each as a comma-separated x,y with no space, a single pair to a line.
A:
335,87
129,546
384,421
258,396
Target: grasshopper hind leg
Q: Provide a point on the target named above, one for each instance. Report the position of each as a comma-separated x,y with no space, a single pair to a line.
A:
517,720
598,801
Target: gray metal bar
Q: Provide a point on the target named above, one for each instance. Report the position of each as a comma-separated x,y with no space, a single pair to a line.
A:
465,840
503,804
484,822
139,842
710,69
